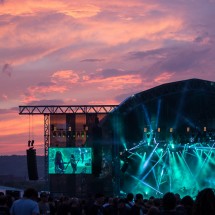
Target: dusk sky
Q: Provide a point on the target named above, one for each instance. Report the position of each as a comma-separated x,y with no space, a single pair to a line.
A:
63,52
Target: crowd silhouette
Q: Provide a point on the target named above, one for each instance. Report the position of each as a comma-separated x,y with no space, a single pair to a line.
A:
131,204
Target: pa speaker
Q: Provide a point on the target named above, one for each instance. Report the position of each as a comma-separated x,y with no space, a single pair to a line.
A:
32,164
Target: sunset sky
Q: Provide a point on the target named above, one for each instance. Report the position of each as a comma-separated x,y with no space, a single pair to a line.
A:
57,52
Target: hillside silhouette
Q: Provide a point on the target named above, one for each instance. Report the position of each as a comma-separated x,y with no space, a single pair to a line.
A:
16,165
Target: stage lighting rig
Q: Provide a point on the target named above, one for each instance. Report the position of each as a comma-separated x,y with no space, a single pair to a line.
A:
31,144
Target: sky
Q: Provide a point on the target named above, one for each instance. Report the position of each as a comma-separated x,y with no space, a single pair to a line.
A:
63,52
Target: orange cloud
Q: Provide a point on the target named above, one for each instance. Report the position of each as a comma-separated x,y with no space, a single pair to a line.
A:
65,76
35,91
31,7
116,83
28,98
99,32
16,130
13,124
113,33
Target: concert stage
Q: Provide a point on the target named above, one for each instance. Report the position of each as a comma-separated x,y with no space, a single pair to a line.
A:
165,138
158,140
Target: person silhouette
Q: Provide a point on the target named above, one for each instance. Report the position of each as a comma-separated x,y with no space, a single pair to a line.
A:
73,163
59,163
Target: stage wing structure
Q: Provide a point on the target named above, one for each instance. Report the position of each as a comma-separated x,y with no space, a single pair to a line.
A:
163,139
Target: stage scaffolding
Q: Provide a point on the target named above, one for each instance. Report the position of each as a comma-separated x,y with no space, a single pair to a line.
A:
68,110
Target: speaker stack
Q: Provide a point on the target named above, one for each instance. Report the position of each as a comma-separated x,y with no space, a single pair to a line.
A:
32,164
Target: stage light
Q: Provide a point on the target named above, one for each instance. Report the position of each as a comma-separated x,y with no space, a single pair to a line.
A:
29,143
68,133
210,136
82,134
87,134
54,134
59,133
32,143
63,133
192,138
73,134
53,128
86,128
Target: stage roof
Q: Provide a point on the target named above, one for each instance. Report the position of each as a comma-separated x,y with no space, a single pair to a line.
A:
177,106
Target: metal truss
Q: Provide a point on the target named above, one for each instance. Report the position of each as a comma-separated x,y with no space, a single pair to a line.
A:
46,143
66,109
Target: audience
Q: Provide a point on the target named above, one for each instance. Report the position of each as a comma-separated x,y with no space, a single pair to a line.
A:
204,203
4,208
27,205
169,204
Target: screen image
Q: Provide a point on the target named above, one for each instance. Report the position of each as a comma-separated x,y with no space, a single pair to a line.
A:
69,160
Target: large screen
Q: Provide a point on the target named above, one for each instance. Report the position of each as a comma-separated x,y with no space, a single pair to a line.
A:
70,160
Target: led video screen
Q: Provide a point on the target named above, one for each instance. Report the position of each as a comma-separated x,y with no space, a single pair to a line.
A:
69,160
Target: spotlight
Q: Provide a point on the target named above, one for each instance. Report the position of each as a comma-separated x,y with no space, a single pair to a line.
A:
78,134
63,133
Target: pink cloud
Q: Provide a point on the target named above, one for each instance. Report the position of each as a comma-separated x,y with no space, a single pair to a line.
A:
164,77
36,92
4,97
30,7
17,129
65,76
104,102
116,83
